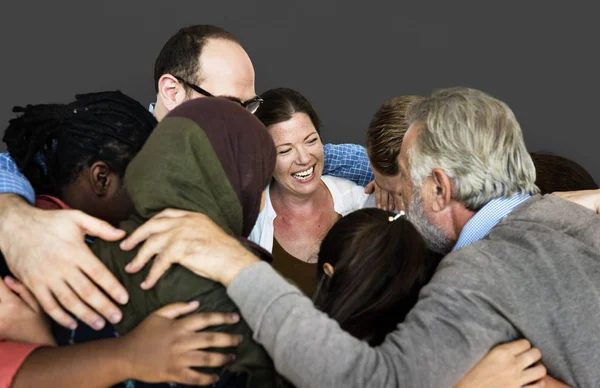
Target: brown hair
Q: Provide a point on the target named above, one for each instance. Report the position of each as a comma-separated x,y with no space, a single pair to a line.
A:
557,173
280,104
380,266
386,132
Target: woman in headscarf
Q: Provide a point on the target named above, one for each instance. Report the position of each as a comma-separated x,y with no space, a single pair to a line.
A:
208,156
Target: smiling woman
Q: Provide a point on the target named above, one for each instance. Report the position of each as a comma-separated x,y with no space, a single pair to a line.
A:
301,204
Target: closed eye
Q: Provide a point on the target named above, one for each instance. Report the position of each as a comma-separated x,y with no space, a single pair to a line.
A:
283,152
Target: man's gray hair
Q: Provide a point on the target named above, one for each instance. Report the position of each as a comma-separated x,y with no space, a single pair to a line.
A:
476,140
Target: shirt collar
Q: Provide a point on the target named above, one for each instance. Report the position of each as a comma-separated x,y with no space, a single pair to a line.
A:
151,108
486,218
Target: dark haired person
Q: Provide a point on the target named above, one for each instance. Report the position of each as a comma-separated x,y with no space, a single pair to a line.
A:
75,155
153,352
301,202
557,173
372,266
384,140
517,262
198,61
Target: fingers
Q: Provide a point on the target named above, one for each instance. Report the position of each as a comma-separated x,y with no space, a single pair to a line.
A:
389,201
91,295
199,358
170,255
149,228
153,246
73,303
206,339
106,280
20,289
171,213
528,358
533,374
201,321
53,309
515,348
188,376
175,310
96,227
159,266
5,292
369,188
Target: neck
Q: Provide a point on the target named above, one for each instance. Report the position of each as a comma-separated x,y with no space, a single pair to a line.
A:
292,202
160,111
461,215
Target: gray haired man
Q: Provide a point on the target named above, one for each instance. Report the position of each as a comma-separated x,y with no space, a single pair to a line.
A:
520,265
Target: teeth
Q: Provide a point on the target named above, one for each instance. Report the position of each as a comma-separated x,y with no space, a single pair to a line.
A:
304,174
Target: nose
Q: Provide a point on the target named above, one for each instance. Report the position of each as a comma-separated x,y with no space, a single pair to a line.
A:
302,156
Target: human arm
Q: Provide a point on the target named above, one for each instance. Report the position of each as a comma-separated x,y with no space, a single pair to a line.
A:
45,250
348,161
161,349
514,364
586,198
442,338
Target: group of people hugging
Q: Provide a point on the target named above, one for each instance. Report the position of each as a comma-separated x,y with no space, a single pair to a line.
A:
213,239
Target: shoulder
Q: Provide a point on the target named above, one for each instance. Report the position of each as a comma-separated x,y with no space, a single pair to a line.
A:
347,195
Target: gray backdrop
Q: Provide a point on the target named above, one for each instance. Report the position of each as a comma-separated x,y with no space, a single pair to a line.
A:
346,58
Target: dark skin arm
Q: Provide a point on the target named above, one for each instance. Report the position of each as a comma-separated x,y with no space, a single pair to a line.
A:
161,349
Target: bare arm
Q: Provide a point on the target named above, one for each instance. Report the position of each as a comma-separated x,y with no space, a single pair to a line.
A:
586,198
550,382
160,349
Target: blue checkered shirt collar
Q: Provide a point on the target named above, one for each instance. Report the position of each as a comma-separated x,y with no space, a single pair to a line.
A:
486,218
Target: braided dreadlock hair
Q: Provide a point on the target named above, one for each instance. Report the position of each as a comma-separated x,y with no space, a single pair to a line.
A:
53,143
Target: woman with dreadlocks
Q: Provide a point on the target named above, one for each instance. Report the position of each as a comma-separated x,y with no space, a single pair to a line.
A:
75,156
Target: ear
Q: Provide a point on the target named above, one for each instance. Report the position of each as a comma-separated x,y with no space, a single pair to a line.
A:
171,91
100,178
442,189
328,269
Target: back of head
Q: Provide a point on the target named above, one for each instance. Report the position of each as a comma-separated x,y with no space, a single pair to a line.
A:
280,104
379,268
180,56
386,132
557,173
53,143
476,140
209,155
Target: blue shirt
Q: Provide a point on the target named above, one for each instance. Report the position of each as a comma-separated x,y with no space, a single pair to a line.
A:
12,181
486,218
349,161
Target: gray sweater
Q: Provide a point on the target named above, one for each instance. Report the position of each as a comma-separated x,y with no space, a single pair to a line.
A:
536,275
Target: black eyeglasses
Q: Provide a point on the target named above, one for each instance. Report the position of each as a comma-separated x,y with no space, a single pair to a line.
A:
251,105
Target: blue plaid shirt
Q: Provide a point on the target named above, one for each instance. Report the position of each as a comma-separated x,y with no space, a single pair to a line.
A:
12,181
349,161
486,218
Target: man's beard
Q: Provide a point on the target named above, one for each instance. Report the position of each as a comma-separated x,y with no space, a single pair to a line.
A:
434,237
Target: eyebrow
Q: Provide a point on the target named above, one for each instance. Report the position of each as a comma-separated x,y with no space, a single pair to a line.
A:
289,144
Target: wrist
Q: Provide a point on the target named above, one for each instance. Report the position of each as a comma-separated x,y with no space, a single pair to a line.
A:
242,261
125,355
13,208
